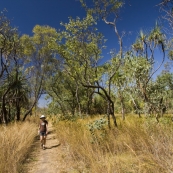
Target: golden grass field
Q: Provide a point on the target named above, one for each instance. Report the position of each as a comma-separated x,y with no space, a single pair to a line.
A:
15,141
138,145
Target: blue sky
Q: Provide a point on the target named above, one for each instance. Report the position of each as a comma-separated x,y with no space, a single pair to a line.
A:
25,14
136,15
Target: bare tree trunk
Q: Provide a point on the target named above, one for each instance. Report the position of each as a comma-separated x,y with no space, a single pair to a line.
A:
113,115
35,101
4,110
122,106
88,103
29,111
17,111
37,96
78,102
108,114
123,110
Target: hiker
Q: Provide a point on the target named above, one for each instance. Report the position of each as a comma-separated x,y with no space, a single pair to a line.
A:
43,130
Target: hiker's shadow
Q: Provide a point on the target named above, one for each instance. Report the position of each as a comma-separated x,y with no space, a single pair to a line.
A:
51,131
54,146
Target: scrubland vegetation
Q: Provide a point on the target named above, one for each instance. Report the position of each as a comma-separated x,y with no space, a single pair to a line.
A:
138,145
66,66
15,141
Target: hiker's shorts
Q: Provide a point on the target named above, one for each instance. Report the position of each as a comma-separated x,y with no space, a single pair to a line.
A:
42,133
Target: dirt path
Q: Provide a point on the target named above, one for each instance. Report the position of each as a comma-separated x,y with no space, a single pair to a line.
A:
49,160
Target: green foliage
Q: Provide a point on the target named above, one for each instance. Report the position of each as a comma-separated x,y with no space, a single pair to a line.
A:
82,48
97,129
170,54
97,124
103,8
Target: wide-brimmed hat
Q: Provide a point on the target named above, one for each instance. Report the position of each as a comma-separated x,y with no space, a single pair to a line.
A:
42,116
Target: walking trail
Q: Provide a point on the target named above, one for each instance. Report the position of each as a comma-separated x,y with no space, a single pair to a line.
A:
50,160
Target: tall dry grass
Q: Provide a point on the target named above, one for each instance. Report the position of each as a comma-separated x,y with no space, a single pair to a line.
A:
15,141
136,146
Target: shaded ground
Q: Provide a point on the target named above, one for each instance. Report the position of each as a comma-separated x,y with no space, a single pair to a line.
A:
49,160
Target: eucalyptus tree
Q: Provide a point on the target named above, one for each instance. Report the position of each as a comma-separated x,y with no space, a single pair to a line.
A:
82,52
40,53
108,10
